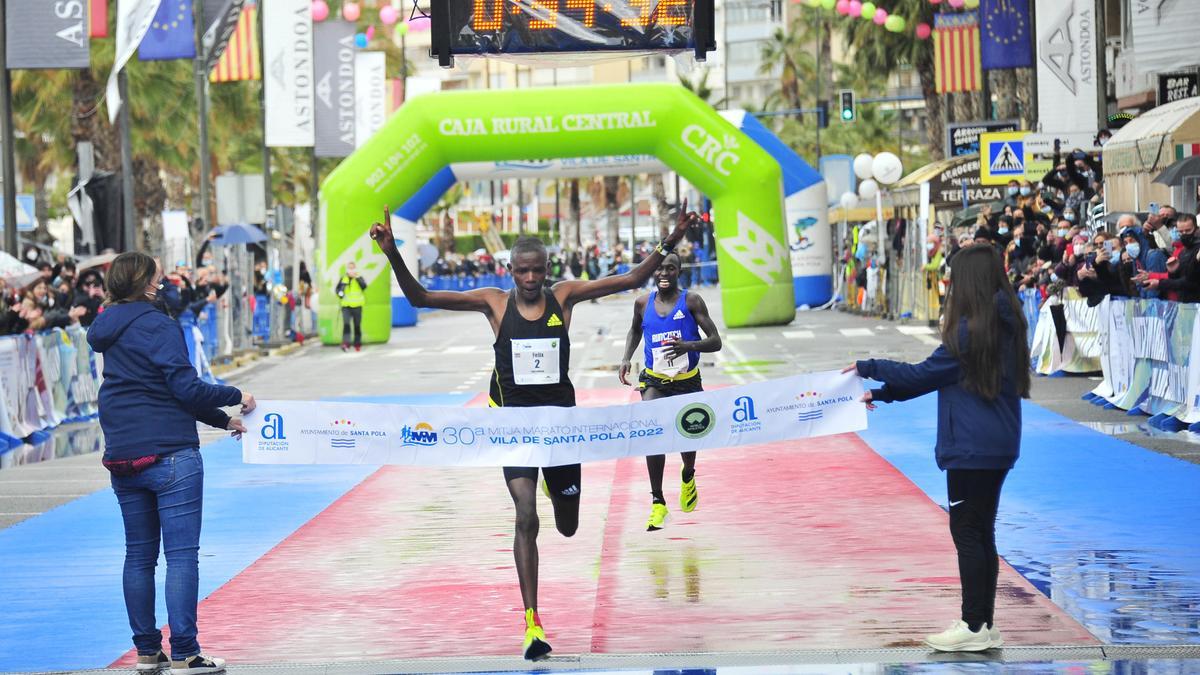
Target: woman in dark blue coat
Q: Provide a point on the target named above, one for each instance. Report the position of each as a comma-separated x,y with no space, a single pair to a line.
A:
150,401
981,373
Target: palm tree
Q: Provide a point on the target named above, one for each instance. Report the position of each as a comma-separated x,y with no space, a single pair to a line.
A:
884,52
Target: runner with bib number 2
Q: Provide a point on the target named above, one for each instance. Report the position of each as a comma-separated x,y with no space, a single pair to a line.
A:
533,351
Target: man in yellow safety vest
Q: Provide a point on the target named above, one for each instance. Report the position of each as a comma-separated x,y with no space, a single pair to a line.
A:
350,289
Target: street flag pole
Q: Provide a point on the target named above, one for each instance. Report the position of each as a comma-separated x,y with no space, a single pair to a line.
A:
8,170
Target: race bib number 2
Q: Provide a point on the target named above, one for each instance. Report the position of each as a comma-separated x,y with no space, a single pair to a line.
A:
535,361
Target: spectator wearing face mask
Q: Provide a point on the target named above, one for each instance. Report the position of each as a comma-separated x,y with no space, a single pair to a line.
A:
1149,258
1182,279
89,294
1158,225
1012,194
1074,258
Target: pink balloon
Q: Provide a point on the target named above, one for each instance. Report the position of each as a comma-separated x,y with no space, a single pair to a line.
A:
881,16
855,8
351,11
320,10
955,3
370,33
418,24
388,15
924,31
843,7
935,2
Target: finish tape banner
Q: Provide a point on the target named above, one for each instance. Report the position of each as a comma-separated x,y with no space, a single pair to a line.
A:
305,432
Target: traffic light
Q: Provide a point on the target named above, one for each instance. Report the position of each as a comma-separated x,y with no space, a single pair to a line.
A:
846,101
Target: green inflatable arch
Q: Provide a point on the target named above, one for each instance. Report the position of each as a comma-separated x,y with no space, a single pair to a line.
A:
433,131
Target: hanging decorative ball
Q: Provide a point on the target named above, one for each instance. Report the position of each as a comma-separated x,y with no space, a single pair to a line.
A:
843,7
389,15
923,31
863,165
895,23
971,4
956,4
855,8
881,16
360,40
421,23
867,11
868,189
401,30
320,10
828,4
370,33
886,168
351,11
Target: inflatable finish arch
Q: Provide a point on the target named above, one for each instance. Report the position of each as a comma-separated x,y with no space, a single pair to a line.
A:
434,131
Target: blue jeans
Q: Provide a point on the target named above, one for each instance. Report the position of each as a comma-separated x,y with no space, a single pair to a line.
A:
166,498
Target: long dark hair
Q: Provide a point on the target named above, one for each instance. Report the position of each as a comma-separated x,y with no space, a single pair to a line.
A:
979,294
129,276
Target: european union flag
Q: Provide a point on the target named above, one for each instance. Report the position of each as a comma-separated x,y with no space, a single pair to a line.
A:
1004,36
172,35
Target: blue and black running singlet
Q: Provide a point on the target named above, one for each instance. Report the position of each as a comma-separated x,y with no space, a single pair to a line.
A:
532,358
678,324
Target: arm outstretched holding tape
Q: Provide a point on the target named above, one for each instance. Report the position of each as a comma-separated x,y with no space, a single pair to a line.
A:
981,373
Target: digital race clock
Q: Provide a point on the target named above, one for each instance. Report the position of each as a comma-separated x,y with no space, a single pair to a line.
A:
491,27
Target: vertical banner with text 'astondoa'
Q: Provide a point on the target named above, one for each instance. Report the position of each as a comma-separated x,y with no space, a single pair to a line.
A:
333,65
370,91
1067,65
44,34
288,72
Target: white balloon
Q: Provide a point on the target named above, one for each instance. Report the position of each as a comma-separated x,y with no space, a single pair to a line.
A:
849,200
868,189
862,166
887,168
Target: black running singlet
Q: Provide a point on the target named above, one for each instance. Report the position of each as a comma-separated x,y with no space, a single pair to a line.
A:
532,378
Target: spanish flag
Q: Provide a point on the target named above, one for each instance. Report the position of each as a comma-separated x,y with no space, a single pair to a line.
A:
956,52
240,60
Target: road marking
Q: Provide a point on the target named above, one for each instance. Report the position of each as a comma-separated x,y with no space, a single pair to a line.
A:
915,330
929,340
460,349
741,336
857,332
721,360
618,343
798,334
405,351
741,357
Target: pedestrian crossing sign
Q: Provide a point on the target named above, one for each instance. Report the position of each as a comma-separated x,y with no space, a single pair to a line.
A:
1003,157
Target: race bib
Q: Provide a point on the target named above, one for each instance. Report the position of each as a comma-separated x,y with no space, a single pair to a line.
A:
664,366
535,361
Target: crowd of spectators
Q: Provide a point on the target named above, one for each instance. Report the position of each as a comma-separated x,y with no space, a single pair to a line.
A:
1056,235
63,296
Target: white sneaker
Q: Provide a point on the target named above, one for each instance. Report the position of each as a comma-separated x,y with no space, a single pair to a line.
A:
959,638
994,636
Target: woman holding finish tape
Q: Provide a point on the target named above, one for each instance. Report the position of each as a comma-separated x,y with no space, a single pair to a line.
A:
150,401
981,373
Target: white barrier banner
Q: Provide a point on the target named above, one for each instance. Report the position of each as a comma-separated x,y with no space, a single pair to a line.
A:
288,73
306,432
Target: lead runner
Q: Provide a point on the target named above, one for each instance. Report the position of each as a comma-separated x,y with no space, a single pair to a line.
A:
533,352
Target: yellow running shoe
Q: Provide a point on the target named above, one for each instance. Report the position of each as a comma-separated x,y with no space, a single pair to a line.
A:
536,647
689,499
658,517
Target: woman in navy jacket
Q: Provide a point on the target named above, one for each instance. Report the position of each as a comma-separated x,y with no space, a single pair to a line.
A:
150,401
981,373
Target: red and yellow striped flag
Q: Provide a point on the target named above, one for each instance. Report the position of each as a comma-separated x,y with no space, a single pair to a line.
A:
956,52
240,59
